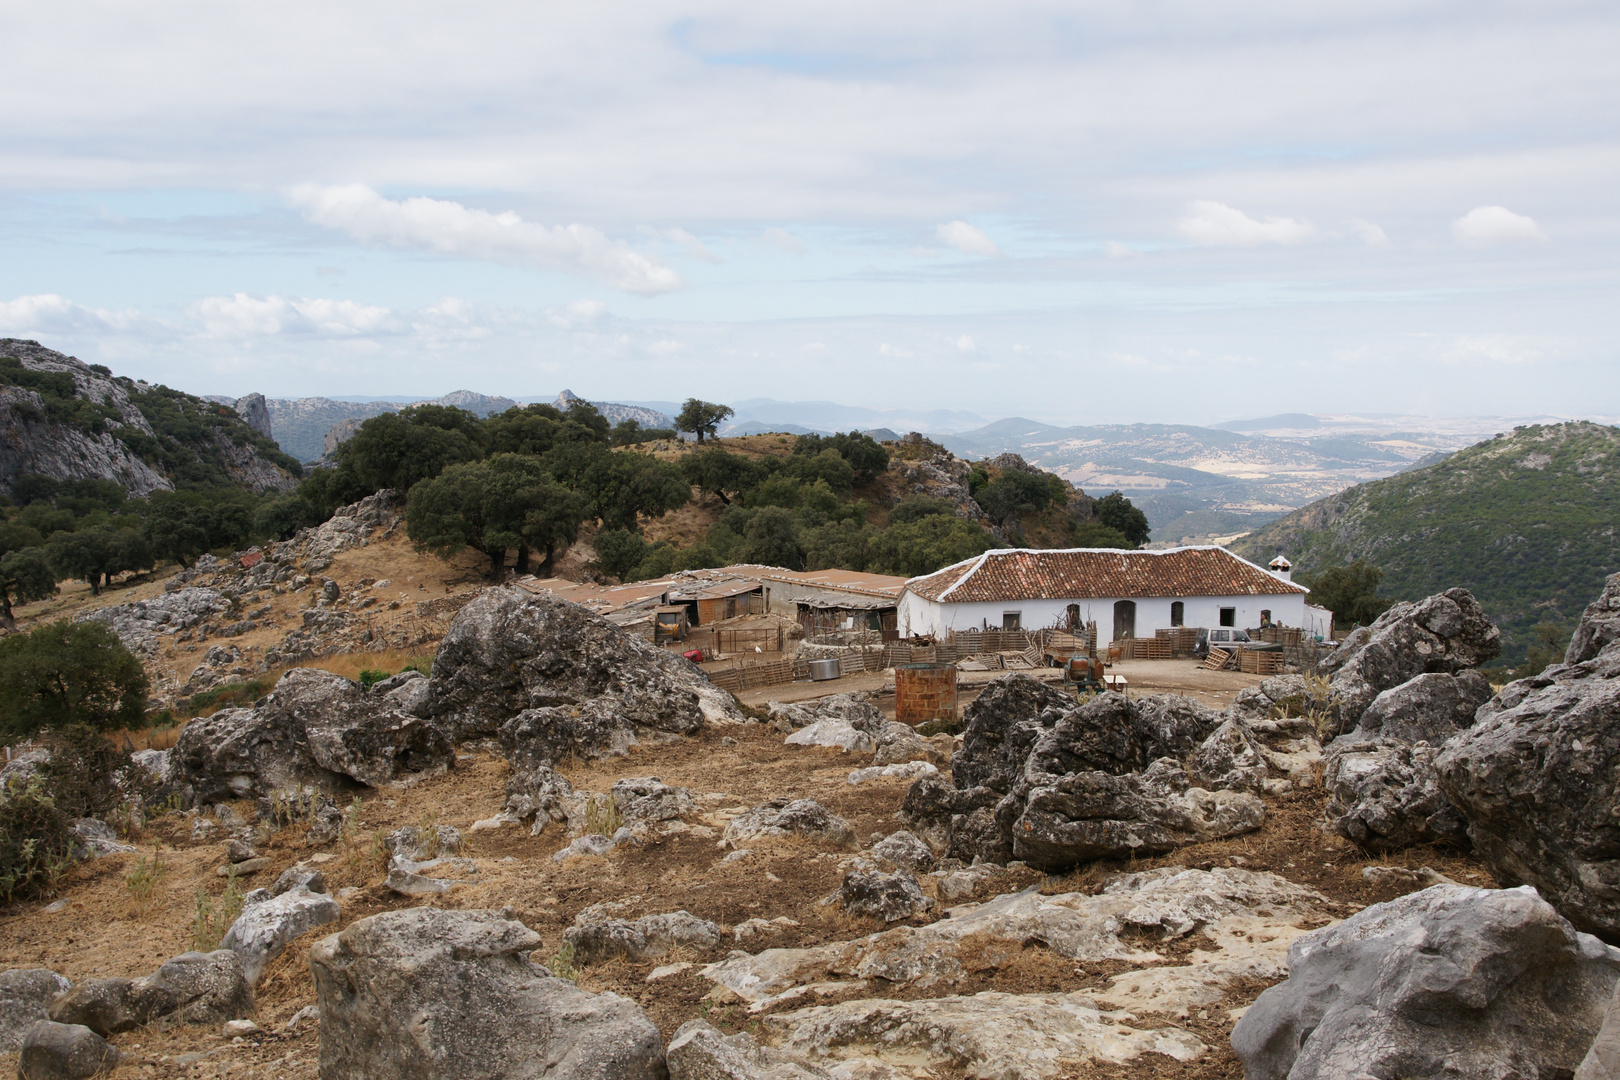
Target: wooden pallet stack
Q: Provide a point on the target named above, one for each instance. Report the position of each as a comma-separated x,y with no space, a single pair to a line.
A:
1255,662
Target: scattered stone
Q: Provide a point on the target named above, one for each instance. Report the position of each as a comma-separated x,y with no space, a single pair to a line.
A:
192,988
589,845
239,1029
239,850
596,941
539,793
664,971
907,771
1404,877
263,930
903,849
300,876
647,798
491,1006
832,732
745,932
53,1051
424,843
243,868
307,1016
1450,981
25,998
20,768
95,839
890,897
700,1052
789,817
141,624
986,1035
1535,776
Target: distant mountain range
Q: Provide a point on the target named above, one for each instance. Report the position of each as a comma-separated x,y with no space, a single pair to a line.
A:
1526,520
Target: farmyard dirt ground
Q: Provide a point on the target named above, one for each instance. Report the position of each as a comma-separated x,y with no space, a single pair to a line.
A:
103,932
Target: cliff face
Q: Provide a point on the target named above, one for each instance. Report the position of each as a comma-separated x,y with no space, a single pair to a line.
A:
67,420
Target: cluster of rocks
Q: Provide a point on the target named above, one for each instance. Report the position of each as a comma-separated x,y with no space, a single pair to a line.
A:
549,680
852,723
1049,781
1400,689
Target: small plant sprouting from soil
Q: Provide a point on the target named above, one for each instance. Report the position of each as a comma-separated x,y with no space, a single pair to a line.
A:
602,817
211,918
562,963
144,877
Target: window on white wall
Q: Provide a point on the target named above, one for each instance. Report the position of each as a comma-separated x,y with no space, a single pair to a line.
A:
1178,613
1012,620
1228,616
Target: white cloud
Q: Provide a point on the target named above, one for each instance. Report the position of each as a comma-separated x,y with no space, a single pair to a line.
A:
814,346
578,315
1117,250
1485,226
1503,349
449,228
694,247
1370,234
1218,225
244,316
781,238
50,313
965,343
890,350
966,238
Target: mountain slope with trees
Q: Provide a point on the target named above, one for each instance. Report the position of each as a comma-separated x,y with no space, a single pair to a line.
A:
1527,521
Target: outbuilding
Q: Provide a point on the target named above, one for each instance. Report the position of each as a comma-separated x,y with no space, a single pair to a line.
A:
1126,593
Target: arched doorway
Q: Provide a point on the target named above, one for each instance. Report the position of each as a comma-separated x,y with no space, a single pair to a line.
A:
1178,613
1072,617
1124,619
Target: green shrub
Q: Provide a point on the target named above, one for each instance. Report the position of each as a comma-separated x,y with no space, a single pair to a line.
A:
69,673
36,844
211,918
226,696
371,677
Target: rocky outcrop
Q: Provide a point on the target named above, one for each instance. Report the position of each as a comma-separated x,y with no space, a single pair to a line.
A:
25,999
142,624
105,435
192,988
890,896
1536,776
375,517
1448,982
552,679
1405,685
315,729
255,413
1384,794
494,1012
1445,633
1045,780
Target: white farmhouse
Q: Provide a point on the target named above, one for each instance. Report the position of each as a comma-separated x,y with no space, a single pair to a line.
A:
1127,593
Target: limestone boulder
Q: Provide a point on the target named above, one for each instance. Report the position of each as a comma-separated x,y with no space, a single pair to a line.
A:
1384,794
1537,777
1452,981
596,939
25,999
887,896
509,652
905,850
1429,708
1445,633
649,799
52,1051
315,729
1000,726
264,929
538,794
699,1051
426,993
780,818
143,624
192,988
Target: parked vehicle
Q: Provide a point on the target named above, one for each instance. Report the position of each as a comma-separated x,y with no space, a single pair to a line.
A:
1227,638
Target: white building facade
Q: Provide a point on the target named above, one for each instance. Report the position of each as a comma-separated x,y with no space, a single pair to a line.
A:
1126,593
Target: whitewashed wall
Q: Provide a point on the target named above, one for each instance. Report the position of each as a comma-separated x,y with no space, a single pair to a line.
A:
921,616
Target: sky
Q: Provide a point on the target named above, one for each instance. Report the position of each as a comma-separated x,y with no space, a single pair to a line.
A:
1077,212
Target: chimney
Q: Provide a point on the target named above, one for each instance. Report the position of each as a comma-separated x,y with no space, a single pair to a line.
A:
1282,568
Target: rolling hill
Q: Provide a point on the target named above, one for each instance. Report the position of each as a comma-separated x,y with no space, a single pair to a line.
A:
1527,520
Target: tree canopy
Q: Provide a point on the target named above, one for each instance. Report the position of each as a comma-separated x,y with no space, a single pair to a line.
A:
702,418
1116,512
67,673
1350,592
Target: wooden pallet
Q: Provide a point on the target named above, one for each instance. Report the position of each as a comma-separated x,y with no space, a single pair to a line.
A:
1260,663
1217,660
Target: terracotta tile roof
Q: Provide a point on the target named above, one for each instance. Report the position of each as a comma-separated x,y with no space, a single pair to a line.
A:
1099,574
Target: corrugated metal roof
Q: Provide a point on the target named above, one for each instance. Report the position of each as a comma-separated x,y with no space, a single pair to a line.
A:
1099,574
600,599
